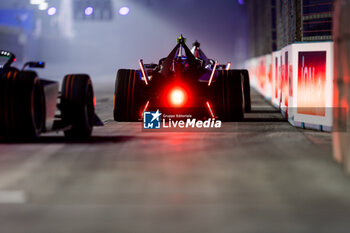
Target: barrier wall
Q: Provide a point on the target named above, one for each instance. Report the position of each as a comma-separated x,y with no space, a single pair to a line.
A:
341,33
298,80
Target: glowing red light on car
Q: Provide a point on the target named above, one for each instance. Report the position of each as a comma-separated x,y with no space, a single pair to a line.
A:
177,97
210,110
212,73
145,108
144,73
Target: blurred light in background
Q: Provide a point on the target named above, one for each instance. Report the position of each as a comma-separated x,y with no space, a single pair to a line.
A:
124,10
43,6
62,40
89,11
241,2
36,2
52,11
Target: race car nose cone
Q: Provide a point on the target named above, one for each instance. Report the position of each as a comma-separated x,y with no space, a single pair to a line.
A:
177,97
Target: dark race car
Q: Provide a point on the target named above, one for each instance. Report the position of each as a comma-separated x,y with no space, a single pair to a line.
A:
184,82
30,106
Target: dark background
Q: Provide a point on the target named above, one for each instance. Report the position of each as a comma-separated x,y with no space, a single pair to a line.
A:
100,47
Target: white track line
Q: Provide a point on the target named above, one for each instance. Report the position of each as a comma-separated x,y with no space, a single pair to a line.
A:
12,197
24,169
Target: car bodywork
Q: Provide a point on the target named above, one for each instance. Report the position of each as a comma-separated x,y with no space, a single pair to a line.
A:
184,82
11,84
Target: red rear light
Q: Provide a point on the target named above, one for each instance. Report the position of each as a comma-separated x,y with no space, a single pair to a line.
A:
177,97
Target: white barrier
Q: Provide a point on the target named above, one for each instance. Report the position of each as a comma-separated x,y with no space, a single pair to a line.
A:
298,80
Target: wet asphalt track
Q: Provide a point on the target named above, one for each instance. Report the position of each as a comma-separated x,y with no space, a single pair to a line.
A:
258,176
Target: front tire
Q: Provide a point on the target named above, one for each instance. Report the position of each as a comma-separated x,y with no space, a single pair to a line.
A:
77,103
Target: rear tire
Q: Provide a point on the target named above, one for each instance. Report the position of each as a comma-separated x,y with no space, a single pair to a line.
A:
77,105
246,91
128,97
230,98
22,105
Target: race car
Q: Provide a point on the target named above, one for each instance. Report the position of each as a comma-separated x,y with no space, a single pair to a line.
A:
184,82
30,106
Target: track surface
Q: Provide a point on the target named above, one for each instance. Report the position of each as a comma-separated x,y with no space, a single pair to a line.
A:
262,175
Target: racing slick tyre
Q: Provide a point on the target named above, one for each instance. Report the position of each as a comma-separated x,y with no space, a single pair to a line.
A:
246,91
22,105
230,95
128,96
77,105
